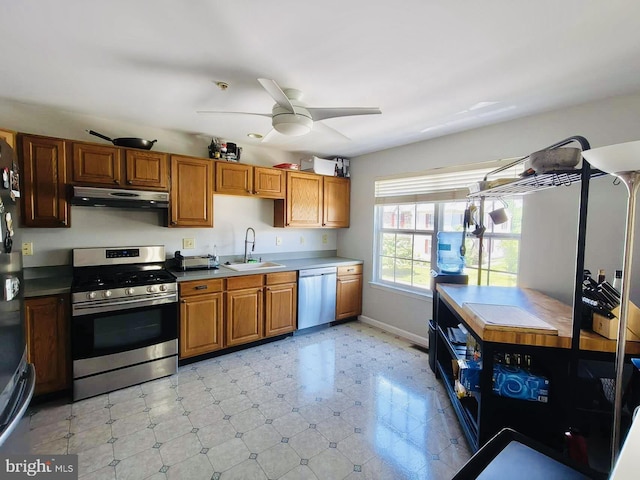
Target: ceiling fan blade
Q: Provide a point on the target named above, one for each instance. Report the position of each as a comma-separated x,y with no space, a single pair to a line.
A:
319,126
236,113
276,93
324,113
269,136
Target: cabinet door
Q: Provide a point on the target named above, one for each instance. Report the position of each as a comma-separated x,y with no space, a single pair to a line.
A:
201,324
280,309
336,202
147,169
96,164
234,178
303,204
191,192
9,136
348,296
48,342
268,182
244,319
43,182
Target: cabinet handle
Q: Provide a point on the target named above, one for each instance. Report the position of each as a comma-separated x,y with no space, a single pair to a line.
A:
350,269
324,224
61,300
201,287
129,182
183,301
63,222
256,192
117,182
174,223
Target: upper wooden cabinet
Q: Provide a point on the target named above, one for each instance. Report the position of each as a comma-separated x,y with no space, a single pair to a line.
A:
96,164
102,165
313,201
9,136
44,200
191,192
336,202
242,179
145,169
47,336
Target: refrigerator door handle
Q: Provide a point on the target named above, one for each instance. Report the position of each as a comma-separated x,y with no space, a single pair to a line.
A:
28,387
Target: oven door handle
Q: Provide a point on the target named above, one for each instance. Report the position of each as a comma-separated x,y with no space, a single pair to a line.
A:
79,309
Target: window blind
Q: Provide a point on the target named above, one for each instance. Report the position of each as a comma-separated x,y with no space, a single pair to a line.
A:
440,184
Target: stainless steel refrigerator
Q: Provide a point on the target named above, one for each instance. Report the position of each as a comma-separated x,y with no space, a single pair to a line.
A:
17,377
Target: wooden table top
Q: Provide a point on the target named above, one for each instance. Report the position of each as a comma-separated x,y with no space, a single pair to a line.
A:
555,313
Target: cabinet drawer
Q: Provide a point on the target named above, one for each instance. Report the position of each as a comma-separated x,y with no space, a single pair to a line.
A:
199,287
246,281
281,277
350,270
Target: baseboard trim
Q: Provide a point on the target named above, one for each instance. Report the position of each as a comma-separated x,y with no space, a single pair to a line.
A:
417,339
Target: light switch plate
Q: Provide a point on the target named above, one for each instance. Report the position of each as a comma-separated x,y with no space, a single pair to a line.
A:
188,243
278,240
325,238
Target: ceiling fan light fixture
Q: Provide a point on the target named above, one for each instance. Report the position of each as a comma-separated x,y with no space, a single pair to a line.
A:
292,125
257,136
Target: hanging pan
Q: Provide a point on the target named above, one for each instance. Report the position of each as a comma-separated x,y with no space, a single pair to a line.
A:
127,142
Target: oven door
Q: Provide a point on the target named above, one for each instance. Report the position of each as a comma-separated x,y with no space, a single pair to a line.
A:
108,333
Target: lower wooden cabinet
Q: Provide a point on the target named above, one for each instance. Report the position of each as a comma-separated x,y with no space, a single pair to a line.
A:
201,317
244,310
281,294
349,292
47,335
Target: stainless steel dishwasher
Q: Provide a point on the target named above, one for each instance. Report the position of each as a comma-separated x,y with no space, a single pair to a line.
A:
316,296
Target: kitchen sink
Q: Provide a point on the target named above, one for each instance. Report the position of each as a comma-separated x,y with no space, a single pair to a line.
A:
244,267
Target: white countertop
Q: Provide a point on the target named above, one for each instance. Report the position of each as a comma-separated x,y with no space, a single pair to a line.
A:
628,465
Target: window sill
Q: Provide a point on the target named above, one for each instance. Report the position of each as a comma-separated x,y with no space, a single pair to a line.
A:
402,291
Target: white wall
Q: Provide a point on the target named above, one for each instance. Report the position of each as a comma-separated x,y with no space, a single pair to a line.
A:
550,218
120,227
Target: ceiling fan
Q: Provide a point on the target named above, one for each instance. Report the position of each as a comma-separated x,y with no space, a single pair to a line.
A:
290,116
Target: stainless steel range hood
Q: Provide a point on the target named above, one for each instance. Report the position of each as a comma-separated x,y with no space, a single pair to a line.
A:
112,197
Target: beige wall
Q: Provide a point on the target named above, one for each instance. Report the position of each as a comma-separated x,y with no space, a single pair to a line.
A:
550,218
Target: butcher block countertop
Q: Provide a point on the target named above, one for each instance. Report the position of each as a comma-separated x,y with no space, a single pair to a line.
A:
551,316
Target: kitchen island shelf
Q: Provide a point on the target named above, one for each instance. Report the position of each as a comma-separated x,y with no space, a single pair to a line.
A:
532,183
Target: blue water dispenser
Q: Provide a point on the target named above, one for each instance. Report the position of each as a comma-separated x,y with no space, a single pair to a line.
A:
449,255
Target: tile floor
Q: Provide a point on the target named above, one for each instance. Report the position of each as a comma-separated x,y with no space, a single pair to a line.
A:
348,402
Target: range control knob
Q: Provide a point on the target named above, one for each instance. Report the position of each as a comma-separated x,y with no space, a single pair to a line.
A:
128,291
152,289
91,295
106,293
163,288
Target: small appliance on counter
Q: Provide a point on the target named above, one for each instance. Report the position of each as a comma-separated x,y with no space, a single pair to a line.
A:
197,262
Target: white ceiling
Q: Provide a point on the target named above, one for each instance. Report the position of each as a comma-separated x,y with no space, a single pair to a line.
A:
428,64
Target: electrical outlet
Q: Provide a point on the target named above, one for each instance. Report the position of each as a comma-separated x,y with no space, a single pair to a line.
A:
27,248
188,243
278,240
301,240
325,238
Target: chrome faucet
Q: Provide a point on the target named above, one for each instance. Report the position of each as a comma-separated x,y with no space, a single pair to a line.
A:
247,242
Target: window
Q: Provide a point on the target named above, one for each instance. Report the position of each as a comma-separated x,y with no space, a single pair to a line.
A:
409,214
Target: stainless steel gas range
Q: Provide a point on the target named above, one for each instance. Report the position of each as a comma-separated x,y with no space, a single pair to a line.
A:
124,318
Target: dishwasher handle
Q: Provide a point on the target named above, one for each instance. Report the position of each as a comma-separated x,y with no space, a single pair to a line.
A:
314,272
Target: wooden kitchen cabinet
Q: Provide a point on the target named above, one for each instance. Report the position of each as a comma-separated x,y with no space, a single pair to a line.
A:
98,165
303,204
336,202
244,310
47,335
10,137
349,292
242,179
234,178
313,201
191,202
44,174
201,317
281,294
147,170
